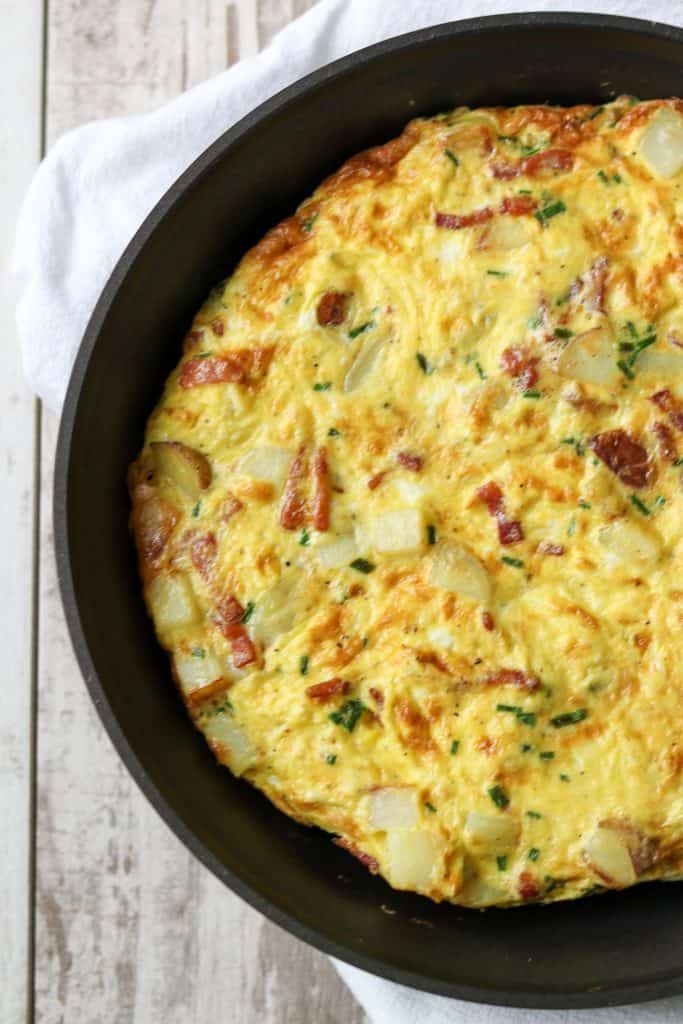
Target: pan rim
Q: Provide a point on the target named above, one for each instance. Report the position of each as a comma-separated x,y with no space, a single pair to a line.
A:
530,998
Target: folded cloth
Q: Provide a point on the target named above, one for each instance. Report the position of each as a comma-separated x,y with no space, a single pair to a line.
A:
92,192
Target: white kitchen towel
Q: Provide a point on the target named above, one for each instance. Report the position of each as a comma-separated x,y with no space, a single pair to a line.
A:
92,192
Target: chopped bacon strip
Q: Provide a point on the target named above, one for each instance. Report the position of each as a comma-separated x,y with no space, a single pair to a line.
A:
332,309
512,677
218,327
377,696
509,530
321,492
375,481
230,611
520,364
667,402
548,160
625,456
487,621
325,691
244,366
667,444
432,658
410,461
293,510
455,221
243,650
369,862
518,206
231,506
546,547
203,553
527,886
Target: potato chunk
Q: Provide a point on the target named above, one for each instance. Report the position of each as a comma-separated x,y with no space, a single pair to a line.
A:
186,468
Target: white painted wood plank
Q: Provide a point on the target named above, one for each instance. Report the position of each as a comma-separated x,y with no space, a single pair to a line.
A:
130,927
21,67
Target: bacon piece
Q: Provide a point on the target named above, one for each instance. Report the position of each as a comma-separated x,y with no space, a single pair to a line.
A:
504,172
325,691
293,509
520,364
432,658
321,491
369,862
243,650
667,444
332,309
231,506
375,481
509,530
512,677
625,456
192,338
487,621
377,696
244,366
518,206
667,402
203,553
527,886
410,461
218,327
547,547
454,221
230,611
532,166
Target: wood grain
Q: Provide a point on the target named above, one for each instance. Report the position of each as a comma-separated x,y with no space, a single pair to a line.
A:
21,70
130,928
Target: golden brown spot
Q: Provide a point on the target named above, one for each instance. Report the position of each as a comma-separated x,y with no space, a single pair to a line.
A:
412,725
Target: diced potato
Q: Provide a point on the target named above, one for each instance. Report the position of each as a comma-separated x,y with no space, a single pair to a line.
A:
268,464
363,364
413,858
664,363
338,552
504,234
481,894
630,542
184,467
276,611
230,742
591,357
195,671
171,601
484,831
662,142
608,852
393,807
399,531
455,569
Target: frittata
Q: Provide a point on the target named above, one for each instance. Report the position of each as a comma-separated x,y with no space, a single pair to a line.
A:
409,511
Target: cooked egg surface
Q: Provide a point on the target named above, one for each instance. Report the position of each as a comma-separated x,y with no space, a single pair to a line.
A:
409,511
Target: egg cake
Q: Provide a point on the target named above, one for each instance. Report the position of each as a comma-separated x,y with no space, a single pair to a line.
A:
409,511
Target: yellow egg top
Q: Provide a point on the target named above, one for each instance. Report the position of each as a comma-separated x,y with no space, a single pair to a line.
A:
409,511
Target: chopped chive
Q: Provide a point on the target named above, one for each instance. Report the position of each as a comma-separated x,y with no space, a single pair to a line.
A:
534,853
527,717
497,273
333,432
569,718
585,504
514,708
248,611
479,370
452,157
499,797
303,665
307,224
502,862
564,778
531,394
617,178
431,534
429,807
547,755
361,565
625,369
305,538
560,301
355,331
331,758
319,386
595,113
423,364
626,346
533,814
525,747
571,529
660,501
516,562
533,322
563,332
551,884
679,461
603,177
640,505
547,212
524,191
454,747
198,652
348,714
195,510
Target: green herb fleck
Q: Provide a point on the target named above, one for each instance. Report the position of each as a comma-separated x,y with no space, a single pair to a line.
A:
660,501
198,652
640,505
534,853
452,157
508,707
355,331
454,747
303,665
196,510
431,534
617,179
348,714
585,504
551,884
547,212
502,862
626,369
305,538
533,814
569,718
320,386
333,432
527,717
563,332
517,563
547,755
479,369
679,461
525,747
603,177
362,565
595,113
560,301
430,807
248,611
531,394
331,759
497,273
524,191
499,797
571,529
564,778
423,364
308,223
533,322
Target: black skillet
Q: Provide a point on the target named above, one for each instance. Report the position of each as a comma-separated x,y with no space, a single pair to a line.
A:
604,950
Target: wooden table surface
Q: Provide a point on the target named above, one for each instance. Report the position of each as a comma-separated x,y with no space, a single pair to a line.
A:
104,917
